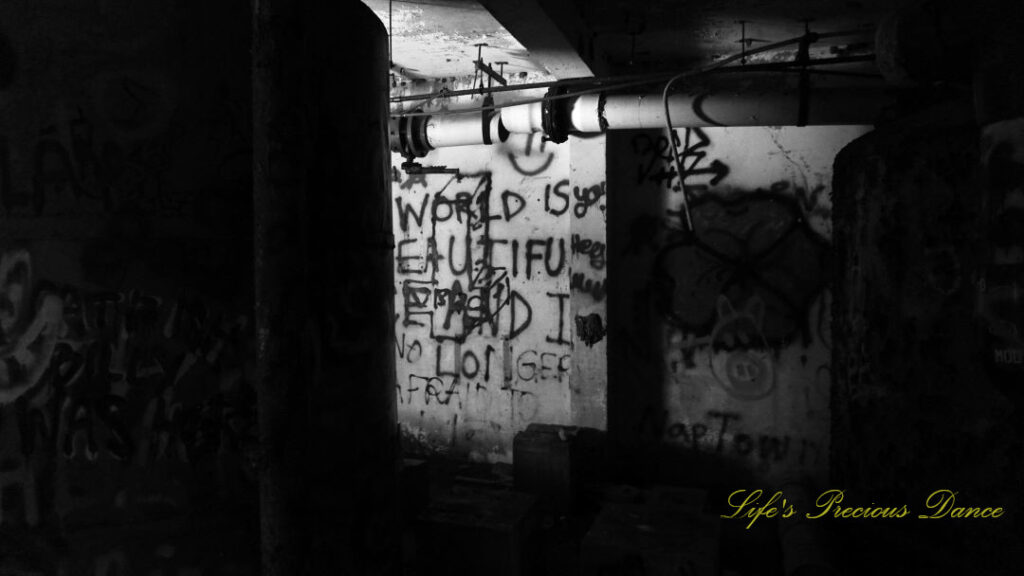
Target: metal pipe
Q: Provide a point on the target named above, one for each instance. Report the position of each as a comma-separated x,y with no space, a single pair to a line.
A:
585,113
762,101
464,130
596,112
611,80
850,105
523,119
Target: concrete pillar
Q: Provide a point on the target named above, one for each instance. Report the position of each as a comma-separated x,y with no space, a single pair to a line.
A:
928,310
999,106
905,223
323,274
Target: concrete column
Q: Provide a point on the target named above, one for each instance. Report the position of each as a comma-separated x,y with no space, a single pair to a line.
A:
999,106
323,274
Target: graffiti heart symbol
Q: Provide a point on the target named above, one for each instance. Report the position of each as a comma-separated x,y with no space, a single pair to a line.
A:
752,245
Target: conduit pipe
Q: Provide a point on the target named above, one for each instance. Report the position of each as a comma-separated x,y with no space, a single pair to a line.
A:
464,130
850,105
597,112
762,104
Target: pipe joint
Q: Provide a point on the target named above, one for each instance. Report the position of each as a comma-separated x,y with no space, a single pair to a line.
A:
408,136
555,115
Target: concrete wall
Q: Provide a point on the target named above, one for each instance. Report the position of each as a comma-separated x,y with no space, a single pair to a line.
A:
500,293
482,300
921,398
720,346
127,428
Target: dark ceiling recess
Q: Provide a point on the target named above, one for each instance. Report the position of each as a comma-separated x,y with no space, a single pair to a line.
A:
655,35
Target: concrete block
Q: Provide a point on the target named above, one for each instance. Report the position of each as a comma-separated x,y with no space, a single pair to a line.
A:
552,461
474,530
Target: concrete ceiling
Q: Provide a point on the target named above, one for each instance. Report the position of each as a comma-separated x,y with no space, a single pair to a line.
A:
541,39
684,32
435,39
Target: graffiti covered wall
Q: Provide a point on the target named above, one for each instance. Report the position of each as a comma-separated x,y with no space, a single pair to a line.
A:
719,345
720,342
483,316
125,406
125,330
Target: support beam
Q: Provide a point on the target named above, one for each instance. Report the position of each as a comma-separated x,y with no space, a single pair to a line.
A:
999,108
554,34
325,378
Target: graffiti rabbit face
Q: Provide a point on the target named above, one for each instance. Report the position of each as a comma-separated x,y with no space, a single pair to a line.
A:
741,360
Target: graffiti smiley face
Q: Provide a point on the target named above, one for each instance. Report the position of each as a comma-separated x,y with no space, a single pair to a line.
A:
529,164
29,327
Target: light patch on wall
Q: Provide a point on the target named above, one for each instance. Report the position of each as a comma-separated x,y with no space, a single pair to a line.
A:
738,313
483,319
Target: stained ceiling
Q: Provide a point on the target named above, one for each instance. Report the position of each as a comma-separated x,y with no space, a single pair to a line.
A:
437,38
654,33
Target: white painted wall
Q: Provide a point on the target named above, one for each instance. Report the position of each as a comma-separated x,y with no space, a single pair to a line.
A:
733,330
733,360
483,349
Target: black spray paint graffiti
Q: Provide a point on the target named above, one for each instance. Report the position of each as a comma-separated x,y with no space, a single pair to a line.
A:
410,182
560,336
121,156
657,166
743,284
719,433
480,299
557,200
580,283
104,173
590,329
726,305
586,198
596,258
533,166
741,287
752,245
461,307
474,270
592,249
99,376
466,374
